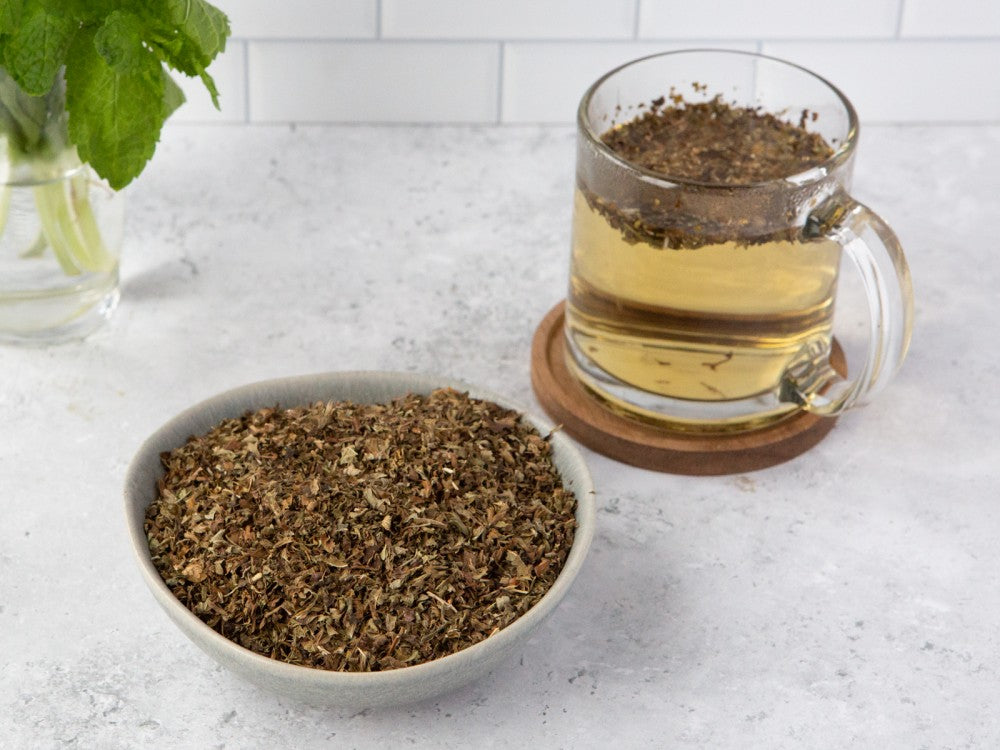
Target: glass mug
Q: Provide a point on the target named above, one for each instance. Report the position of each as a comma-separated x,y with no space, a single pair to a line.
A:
709,307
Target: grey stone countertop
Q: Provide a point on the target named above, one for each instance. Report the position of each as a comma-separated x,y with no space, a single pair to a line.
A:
848,598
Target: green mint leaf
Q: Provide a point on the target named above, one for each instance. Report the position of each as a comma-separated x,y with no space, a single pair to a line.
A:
10,16
118,92
32,124
115,116
90,12
209,83
36,51
193,34
22,117
173,97
203,26
119,41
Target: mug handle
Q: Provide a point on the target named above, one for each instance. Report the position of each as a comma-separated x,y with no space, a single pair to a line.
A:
878,257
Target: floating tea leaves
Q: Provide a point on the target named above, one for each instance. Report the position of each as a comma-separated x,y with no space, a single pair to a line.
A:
707,143
362,537
716,142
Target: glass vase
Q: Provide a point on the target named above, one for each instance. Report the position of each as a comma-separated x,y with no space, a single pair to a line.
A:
60,244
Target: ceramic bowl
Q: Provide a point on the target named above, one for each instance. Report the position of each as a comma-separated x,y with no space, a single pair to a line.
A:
347,689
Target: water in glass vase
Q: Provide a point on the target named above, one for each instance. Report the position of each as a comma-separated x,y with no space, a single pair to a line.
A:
60,239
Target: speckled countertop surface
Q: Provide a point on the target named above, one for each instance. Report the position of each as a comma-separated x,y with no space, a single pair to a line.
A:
849,598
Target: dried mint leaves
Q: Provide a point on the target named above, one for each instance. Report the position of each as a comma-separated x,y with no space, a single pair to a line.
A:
362,537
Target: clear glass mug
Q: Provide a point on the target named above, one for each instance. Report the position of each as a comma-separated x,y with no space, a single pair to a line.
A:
709,307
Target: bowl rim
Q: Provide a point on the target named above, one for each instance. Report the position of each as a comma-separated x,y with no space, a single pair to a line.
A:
151,447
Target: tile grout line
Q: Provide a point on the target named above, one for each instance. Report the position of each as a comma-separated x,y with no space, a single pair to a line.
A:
964,47
559,41
500,76
563,124
246,83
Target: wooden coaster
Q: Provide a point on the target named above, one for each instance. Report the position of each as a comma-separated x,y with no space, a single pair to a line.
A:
650,447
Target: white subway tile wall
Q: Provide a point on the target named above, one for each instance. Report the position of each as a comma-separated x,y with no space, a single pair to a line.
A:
372,81
951,18
302,19
774,19
904,81
544,82
528,61
508,19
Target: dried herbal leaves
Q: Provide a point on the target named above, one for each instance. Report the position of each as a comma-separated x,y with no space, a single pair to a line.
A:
362,537
718,147
716,142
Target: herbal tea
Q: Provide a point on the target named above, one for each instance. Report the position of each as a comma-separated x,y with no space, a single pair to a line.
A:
718,322
709,228
665,300
362,537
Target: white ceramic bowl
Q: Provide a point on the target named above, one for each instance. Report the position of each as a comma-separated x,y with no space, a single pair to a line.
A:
347,689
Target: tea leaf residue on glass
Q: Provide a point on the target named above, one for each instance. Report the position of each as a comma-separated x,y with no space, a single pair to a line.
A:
716,142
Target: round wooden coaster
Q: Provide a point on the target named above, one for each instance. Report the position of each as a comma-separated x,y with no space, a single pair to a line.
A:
647,446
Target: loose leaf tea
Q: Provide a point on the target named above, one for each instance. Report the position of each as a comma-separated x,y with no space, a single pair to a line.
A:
362,537
716,142
712,143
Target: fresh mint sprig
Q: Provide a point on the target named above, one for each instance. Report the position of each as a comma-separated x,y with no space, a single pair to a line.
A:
115,56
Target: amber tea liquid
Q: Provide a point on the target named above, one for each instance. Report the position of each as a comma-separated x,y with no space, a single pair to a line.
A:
714,325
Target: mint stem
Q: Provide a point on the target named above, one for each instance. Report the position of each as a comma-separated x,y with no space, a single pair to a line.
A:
70,227
53,226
